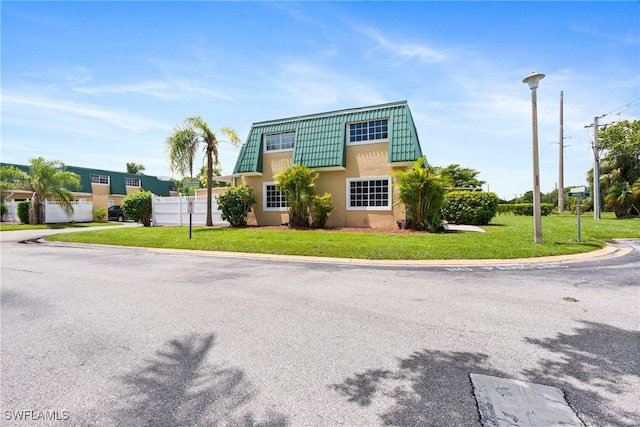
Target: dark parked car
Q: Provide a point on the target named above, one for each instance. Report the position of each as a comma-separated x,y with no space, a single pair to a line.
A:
116,214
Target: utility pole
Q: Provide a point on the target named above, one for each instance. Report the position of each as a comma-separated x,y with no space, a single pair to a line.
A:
561,173
596,171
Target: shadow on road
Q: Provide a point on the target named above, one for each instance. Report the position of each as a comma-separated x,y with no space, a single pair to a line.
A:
597,363
598,368
428,388
179,387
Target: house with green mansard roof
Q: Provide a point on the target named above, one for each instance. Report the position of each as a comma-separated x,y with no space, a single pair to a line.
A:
103,187
355,151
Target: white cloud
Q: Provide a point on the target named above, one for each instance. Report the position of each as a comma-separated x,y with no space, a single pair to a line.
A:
170,89
406,51
64,75
38,111
318,87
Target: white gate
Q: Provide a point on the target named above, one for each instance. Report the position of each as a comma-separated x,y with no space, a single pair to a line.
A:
53,213
173,211
12,212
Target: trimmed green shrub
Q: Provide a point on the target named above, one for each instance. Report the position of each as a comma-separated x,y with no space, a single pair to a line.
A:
99,214
137,206
470,207
23,212
3,211
236,203
526,209
321,210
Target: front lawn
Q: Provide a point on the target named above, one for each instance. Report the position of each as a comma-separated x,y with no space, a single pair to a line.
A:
508,237
11,227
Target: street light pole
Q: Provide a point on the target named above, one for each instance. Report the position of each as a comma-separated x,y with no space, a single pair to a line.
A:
561,159
532,81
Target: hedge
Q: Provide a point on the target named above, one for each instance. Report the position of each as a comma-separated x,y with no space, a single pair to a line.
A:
470,207
525,209
23,211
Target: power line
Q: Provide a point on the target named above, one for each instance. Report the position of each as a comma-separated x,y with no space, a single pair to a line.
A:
618,111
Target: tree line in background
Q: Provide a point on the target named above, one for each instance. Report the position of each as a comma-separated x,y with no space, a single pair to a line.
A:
619,173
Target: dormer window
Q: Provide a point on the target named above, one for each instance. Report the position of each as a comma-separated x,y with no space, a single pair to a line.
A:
367,132
279,141
100,179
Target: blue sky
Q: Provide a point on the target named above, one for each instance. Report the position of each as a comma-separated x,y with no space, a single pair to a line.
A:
100,84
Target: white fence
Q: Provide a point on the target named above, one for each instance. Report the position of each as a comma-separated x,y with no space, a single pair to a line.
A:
174,211
82,212
12,212
53,213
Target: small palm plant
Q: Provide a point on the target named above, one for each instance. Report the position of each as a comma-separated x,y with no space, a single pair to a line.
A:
624,198
50,179
421,190
297,183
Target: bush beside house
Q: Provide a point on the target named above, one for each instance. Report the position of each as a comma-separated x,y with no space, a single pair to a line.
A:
321,210
236,203
137,206
23,212
99,214
470,207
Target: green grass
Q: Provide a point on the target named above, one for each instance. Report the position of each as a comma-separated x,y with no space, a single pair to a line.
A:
508,237
12,227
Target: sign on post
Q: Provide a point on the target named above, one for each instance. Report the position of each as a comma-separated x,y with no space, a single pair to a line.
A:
190,212
579,192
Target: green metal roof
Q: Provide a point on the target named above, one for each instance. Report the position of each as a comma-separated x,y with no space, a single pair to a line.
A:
320,139
159,187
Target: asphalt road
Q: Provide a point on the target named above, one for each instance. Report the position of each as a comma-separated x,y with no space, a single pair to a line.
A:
98,336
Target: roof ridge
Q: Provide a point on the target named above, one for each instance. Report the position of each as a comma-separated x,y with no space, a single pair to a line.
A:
331,113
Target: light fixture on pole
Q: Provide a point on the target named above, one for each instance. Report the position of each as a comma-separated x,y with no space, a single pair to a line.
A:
532,81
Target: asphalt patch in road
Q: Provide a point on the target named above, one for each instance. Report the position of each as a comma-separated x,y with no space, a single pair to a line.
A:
506,402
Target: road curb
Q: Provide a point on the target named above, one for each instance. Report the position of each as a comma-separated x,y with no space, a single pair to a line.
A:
612,250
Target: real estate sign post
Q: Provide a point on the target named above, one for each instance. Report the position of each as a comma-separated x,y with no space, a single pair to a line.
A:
190,212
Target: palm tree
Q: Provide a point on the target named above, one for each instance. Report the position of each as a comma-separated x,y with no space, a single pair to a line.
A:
422,190
183,143
182,146
50,179
135,168
298,183
202,175
624,197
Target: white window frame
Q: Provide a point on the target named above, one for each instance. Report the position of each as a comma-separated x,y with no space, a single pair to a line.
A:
367,141
130,180
264,199
389,199
100,179
267,135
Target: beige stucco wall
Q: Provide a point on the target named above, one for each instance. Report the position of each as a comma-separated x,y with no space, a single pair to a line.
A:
100,195
202,192
365,160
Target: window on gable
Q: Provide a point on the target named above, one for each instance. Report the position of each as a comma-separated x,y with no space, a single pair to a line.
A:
132,182
273,199
369,193
279,141
371,131
99,179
